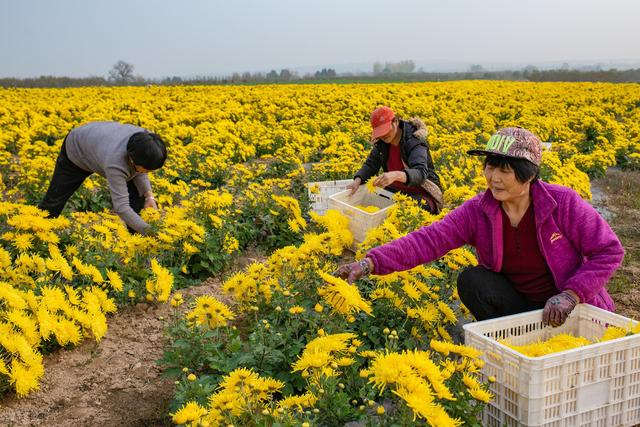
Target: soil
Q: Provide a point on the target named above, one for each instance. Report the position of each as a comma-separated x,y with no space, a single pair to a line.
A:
111,383
116,383
617,197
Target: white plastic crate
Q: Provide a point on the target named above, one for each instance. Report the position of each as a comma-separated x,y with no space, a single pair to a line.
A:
595,385
360,222
319,193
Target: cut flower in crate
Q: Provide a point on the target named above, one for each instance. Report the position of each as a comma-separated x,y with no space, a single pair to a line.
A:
582,373
567,341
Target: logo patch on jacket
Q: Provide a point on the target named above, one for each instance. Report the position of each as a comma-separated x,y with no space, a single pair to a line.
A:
555,237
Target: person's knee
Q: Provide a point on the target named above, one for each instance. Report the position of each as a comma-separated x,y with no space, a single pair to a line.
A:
472,283
468,280
472,289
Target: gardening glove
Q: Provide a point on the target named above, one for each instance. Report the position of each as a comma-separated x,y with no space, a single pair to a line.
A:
353,271
557,309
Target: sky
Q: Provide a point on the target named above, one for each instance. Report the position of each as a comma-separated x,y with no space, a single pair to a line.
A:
211,38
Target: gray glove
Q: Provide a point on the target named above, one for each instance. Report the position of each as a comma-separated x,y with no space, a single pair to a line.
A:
353,271
558,308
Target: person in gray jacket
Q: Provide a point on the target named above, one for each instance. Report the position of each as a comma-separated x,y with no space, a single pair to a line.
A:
401,150
123,154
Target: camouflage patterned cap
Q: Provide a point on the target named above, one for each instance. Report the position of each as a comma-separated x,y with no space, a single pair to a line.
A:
513,142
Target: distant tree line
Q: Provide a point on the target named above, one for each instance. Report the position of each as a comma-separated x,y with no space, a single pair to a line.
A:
122,73
394,68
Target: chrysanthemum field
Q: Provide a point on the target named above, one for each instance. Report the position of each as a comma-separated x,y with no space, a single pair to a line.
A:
289,344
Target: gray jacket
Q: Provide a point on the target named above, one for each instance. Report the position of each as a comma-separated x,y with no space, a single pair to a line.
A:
101,147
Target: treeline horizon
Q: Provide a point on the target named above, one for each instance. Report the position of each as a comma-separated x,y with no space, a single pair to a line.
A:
330,76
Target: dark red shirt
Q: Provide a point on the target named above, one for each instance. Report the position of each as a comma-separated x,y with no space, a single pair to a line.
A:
523,263
394,163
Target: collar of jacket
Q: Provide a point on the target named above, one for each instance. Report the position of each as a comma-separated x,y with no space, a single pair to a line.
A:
543,206
543,202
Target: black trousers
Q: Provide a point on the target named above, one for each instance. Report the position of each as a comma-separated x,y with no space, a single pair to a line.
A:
67,178
488,294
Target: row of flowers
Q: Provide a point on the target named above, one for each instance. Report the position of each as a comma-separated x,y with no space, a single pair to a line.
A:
213,131
295,345
61,277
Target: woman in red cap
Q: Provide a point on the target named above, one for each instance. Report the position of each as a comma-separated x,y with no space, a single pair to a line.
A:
401,150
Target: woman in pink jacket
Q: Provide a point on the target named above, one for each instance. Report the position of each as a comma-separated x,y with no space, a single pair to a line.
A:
538,245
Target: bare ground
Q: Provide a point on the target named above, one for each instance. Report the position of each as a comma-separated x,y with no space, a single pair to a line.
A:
618,196
116,382
111,383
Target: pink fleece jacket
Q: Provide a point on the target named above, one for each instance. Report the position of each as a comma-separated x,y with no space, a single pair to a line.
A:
578,245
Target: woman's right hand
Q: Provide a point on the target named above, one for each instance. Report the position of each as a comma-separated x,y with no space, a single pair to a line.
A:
354,185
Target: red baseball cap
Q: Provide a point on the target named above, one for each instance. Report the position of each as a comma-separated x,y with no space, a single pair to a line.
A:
381,119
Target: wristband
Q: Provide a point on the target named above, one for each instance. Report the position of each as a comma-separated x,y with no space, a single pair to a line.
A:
571,297
366,268
150,198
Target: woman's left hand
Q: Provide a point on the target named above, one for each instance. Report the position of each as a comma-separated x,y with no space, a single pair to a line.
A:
558,308
389,178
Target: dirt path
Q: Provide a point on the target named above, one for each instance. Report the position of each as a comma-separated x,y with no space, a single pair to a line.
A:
111,383
617,196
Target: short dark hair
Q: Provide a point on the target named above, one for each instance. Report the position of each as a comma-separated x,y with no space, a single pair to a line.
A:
524,169
147,149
